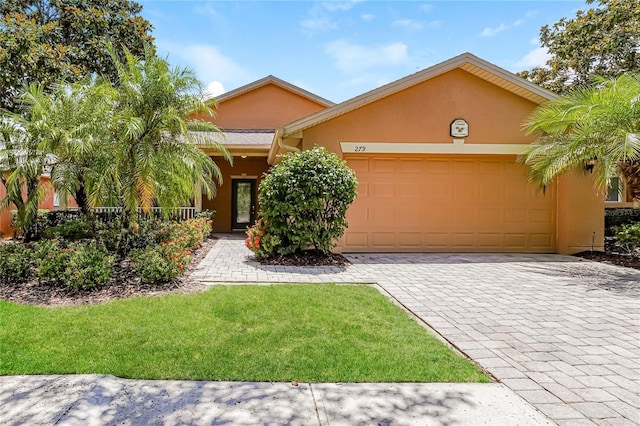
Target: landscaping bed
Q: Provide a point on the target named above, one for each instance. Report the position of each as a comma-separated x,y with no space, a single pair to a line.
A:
124,283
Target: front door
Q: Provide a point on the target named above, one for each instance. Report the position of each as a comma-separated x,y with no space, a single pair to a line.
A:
243,203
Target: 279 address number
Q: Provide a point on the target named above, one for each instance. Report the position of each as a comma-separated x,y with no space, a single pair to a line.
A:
360,148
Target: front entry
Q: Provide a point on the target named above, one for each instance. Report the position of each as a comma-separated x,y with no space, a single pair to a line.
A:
243,203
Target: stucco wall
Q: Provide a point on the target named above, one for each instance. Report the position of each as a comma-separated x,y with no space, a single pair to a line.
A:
424,112
266,107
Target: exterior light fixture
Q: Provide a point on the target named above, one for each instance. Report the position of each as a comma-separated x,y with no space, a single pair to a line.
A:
243,156
590,164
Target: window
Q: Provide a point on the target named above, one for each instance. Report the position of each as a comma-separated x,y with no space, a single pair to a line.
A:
614,194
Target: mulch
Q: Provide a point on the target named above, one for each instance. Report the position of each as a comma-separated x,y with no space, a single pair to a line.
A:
628,260
306,258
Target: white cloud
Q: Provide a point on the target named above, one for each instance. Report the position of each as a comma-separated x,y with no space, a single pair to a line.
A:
367,16
340,5
409,24
536,58
214,88
490,32
352,58
426,7
318,24
531,13
208,62
434,24
518,22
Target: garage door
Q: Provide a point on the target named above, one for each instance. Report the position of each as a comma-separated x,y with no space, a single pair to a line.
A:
462,203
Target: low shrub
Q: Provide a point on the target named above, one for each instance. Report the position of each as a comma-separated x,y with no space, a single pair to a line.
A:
121,241
15,262
260,241
206,214
80,266
627,237
52,258
89,266
72,230
189,233
154,266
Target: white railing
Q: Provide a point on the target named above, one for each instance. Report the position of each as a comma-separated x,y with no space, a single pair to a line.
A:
181,213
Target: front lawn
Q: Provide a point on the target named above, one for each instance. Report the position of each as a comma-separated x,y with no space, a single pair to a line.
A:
307,333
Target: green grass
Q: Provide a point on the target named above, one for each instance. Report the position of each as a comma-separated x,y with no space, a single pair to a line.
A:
307,333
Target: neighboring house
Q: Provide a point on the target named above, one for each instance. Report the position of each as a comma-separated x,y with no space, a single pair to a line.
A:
435,154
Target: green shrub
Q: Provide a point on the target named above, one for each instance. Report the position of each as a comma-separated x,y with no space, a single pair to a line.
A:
627,237
121,241
72,230
15,262
52,258
206,214
303,202
81,266
89,266
154,266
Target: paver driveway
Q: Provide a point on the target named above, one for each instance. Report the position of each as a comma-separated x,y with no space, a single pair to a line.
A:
561,332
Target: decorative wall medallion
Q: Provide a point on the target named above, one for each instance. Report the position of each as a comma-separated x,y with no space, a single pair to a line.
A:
459,128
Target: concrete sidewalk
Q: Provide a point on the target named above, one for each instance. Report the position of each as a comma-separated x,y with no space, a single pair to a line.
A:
107,400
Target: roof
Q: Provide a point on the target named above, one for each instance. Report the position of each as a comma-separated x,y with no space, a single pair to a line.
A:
270,79
466,61
248,137
255,141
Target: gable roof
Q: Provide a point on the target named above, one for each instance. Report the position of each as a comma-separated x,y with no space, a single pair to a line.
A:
466,61
270,79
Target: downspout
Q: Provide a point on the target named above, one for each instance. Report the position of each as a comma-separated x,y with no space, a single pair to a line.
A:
281,145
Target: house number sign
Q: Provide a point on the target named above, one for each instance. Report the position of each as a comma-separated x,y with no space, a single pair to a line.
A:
459,128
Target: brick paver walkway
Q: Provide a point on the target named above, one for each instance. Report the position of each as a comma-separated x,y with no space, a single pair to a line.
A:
562,333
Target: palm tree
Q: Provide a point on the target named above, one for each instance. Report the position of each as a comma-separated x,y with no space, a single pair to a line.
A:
23,162
156,154
74,120
597,125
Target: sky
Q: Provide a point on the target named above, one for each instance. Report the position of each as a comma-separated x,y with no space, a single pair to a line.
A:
341,49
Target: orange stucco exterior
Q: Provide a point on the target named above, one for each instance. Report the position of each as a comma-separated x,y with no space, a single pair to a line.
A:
424,112
265,107
455,201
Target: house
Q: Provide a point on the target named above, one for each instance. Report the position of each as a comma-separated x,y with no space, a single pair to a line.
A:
435,154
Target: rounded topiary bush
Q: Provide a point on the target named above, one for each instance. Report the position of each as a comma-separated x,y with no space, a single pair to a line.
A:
303,203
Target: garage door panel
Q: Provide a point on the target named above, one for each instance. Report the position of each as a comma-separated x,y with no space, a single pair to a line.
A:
490,241
446,203
383,165
437,240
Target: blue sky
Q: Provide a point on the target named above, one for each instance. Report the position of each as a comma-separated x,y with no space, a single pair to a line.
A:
340,49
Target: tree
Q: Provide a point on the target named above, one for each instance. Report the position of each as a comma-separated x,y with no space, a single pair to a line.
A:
23,162
604,40
155,147
49,41
303,203
597,125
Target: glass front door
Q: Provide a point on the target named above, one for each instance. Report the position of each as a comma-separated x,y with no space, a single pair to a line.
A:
243,203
